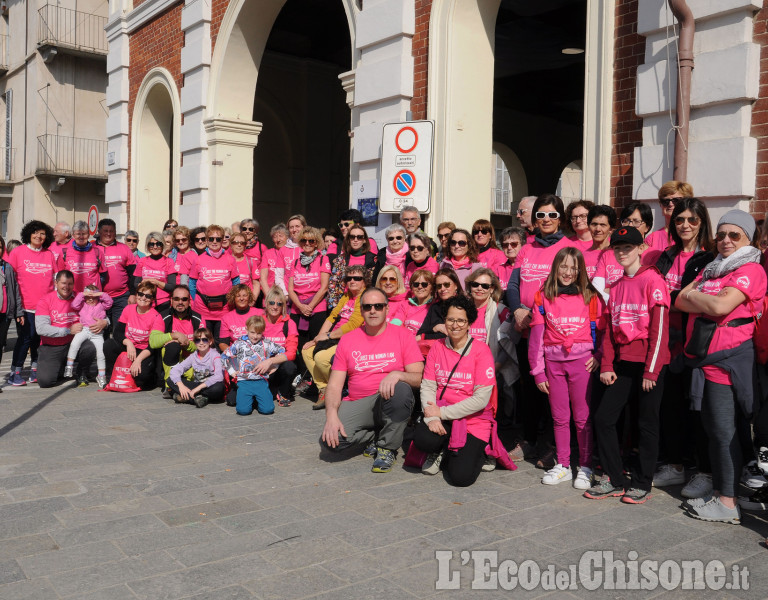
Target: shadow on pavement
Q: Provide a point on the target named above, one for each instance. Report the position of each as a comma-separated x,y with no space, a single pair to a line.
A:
32,411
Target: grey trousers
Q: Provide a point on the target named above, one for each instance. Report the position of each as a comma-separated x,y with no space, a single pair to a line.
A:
375,419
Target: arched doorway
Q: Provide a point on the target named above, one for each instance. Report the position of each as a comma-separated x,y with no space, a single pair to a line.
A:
278,125
154,182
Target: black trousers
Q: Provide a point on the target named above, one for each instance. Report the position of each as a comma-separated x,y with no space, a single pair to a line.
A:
53,359
214,393
282,379
461,467
626,388
315,324
146,380
534,404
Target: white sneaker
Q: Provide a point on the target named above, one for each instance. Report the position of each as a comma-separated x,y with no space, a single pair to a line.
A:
583,480
752,476
489,464
557,474
668,475
431,466
101,380
762,459
700,486
68,372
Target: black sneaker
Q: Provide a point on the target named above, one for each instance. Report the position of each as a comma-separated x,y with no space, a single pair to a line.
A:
370,450
757,501
201,400
82,381
384,460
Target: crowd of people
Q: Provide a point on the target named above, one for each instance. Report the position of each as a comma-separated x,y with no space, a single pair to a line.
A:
579,321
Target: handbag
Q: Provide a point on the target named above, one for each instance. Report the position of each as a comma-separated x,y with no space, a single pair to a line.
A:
703,332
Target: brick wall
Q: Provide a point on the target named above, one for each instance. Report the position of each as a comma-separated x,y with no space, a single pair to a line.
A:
218,8
627,127
156,44
759,206
420,59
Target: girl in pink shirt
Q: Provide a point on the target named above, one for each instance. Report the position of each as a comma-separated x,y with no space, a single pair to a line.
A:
561,352
91,305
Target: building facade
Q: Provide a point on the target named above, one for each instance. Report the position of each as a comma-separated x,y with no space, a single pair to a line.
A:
53,102
222,109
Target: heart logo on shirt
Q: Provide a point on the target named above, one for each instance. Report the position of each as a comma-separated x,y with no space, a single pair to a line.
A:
658,295
489,372
356,355
743,281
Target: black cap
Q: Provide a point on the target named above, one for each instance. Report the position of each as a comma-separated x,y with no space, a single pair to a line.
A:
626,235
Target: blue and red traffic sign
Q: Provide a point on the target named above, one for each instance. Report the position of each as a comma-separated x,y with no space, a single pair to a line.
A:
404,182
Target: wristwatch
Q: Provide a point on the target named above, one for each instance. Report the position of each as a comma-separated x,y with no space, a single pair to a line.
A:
328,335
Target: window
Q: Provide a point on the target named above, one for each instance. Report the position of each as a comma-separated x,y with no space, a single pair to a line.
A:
501,193
7,152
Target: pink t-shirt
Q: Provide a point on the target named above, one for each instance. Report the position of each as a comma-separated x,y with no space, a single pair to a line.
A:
117,258
256,252
491,258
246,268
658,240
160,269
415,315
34,274
184,326
750,279
290,255
608,268
631,301
430,265
477,330
274,263
367,359
233,323
274,331
397,308
504,273
214,278
56,248
566,319
591,258
86,266
306,281
61,314
345,313
138,326
184,262
535,263
582,245
475,369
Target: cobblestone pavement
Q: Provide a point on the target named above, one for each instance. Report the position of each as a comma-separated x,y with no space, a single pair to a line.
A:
112,496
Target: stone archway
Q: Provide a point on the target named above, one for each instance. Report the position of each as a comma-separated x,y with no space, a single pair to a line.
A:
231,131
155,153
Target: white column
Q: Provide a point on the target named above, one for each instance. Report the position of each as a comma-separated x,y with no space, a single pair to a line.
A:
195,66
116,191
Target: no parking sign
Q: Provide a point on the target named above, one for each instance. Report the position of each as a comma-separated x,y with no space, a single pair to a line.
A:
406,166
93,220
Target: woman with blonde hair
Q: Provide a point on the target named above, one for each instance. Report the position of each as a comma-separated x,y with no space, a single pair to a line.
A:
281,330
390,281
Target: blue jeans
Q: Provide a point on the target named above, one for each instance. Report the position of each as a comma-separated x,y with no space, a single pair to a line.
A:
258,390
27,339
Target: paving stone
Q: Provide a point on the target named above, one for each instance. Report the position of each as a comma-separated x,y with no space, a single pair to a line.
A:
207,511
229,593
48,490
26,546
57,561
93,514
37,589
304,582
373,589
10,571
224,548
106,530
117,592
21,481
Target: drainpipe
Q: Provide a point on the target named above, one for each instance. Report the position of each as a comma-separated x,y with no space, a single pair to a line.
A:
685,49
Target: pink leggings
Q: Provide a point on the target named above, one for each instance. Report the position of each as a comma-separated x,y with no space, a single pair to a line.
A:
570,386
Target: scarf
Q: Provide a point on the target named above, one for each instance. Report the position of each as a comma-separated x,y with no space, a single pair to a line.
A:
157,256
85,248
482,249
242,311
413,301
721,266
568,290
215,254
357,252
291,244
458,264
551,239
397,259
307,260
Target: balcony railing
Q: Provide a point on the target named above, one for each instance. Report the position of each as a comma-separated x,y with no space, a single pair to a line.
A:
71,156
72,31
6,163
3,54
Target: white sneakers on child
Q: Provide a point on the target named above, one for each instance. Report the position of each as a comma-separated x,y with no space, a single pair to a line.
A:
68,372
557,474
583,480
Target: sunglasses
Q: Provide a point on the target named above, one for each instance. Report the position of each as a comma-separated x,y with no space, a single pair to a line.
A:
305,241
510,244
483,230
353,278
147,296
522,211
238,243
226,237
247,229
392,238
131,240
419,284
345,224
552,214
442,236
477,284
692,220
445,285
274,303
199,239
665,202
182,299
388,280
215,239
356,237
182,239
460,243
202,340
418,248
155,245
378,306
734,236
